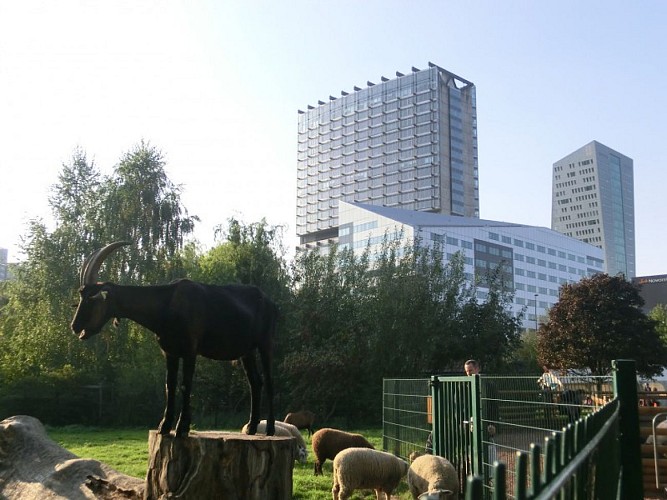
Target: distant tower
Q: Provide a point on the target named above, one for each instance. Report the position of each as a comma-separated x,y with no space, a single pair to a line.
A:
408,142
593,201
3,264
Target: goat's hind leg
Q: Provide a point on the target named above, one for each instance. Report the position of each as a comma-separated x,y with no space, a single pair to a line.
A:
170,392
255,381
266,357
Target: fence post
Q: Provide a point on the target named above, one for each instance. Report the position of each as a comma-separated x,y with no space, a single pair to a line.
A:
625,389
437,437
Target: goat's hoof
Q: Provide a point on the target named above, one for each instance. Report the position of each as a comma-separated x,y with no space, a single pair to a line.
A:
251,430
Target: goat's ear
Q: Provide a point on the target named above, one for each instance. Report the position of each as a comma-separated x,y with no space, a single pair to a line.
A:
116,322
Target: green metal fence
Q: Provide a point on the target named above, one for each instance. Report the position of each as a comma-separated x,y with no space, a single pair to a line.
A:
513,413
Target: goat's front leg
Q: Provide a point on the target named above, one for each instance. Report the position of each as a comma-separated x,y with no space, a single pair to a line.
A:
255,381
170,393
183,425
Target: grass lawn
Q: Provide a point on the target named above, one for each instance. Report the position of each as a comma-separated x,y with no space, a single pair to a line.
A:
126,450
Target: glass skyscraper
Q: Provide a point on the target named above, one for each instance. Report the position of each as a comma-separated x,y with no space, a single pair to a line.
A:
409,142
593,201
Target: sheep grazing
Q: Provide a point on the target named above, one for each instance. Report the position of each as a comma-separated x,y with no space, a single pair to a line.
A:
283,429
432,478
363,468
327,443
302,420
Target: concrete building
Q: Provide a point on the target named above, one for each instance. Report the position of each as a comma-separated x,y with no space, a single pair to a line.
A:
535,261
408,142
653,290
593,201
4,273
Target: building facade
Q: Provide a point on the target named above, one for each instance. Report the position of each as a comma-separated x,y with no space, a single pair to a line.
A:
653,290
408,142
593,201
4,273
534,261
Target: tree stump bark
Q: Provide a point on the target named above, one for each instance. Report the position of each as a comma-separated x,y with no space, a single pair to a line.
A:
225,465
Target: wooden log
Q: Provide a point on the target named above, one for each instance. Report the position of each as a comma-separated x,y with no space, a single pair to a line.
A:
225,465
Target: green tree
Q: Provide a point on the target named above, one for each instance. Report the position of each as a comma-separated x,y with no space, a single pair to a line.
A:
137,203
659,315
403,315
327,341
250,254
597,320
489,332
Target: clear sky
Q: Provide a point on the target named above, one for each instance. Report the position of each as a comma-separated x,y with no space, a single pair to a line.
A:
216,86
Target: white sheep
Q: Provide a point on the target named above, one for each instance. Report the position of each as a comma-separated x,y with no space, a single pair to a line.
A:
365,468
432,478
284,429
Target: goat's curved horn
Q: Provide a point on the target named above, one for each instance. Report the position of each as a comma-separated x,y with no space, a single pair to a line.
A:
92,264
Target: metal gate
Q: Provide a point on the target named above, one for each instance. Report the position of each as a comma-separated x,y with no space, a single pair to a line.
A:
456,432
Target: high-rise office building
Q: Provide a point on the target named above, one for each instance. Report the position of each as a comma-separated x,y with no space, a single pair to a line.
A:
409,142
3,264
593,201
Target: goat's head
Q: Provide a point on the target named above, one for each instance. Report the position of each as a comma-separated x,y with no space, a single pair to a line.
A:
93,310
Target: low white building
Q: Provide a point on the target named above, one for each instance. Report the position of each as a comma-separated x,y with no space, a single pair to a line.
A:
536,261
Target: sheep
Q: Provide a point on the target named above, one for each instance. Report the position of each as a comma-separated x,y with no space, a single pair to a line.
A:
283,429
363,468
327,443
432,478
303,419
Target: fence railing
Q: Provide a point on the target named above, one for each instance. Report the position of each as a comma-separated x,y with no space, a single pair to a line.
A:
581,434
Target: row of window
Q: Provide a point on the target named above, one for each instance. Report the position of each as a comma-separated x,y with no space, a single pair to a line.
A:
363,140
507,253
329,113
519,271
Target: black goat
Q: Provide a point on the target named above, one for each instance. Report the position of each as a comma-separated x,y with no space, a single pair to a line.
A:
219,322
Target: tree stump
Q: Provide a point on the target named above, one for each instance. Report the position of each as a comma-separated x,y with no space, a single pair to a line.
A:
226,465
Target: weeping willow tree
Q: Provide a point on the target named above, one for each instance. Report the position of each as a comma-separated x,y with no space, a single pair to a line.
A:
138,203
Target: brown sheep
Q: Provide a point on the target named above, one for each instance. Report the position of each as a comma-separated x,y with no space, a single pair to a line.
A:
327,443
303,419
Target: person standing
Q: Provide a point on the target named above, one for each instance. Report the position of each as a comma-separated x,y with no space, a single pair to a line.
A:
490,410
471,367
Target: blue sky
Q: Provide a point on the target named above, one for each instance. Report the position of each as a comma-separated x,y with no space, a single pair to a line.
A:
217,85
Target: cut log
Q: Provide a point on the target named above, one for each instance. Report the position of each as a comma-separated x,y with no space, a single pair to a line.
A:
227,465
32,466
